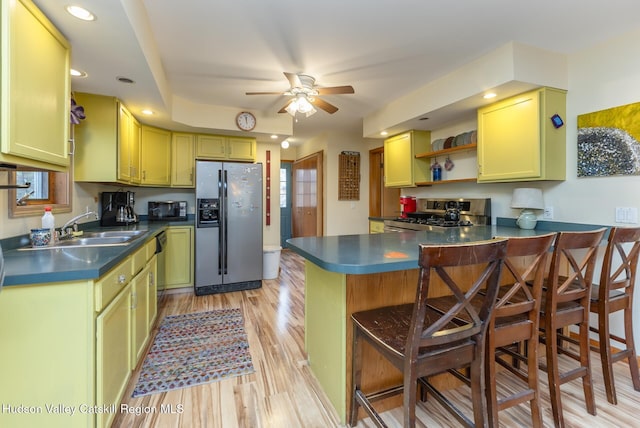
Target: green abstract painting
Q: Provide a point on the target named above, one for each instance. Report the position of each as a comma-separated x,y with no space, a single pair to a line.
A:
609,142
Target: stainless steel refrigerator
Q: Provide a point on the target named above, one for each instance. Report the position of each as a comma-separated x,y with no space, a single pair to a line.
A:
228,227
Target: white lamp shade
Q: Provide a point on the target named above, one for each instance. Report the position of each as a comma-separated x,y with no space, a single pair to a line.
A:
527,197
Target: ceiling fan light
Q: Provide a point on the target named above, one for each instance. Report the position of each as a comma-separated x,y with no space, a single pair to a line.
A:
292,108
310,112
304,106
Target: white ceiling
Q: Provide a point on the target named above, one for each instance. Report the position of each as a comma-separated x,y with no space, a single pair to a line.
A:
211,52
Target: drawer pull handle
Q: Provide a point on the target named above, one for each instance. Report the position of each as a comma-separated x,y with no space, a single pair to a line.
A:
122,278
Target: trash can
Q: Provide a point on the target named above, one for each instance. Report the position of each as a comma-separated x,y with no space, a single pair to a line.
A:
271,261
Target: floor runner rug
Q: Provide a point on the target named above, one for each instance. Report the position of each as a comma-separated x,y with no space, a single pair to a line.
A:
194,349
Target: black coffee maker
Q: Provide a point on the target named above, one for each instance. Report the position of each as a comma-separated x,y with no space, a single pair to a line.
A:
117,209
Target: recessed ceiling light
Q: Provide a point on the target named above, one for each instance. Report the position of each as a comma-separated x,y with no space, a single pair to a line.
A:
489,95
384,133
284,144
124,79
77,73
147,111
274,136
80,13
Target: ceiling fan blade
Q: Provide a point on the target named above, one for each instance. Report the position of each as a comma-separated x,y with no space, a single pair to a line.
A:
263,93
284,108
293,79
329,108
335,90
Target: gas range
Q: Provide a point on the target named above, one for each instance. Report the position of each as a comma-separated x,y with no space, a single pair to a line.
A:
438,214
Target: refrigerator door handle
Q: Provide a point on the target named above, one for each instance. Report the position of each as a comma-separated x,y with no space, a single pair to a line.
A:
226,215
220,240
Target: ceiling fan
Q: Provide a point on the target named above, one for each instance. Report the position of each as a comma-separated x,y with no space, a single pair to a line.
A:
304,95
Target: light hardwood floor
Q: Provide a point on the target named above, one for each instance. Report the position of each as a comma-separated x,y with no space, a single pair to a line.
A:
282,392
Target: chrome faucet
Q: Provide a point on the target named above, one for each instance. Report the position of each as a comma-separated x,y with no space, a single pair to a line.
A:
72,224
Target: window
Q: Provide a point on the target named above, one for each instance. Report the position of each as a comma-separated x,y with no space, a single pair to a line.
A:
50,188
283,188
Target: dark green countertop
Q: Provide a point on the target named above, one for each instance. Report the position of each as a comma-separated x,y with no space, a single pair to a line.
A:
393,251
71,264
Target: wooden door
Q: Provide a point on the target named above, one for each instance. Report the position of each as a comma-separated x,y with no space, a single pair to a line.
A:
307,196
383,201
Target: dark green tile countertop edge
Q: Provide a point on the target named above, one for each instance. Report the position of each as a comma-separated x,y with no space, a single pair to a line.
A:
71,264
378,252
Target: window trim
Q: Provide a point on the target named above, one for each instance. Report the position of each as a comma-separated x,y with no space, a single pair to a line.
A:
60,191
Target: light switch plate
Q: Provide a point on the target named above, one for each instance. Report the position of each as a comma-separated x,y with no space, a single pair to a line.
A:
548,213
627,215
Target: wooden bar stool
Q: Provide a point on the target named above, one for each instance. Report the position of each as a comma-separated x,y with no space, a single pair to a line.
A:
420,341
613,294
514,322
565,302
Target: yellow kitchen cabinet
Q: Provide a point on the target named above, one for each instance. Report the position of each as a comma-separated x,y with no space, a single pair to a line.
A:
155,156
182,160
34,126
113,353
128,147
139,313
107,142
179,257
376,226
517,140
220,147
401,168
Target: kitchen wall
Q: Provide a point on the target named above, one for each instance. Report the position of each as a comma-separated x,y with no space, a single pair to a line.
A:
342,217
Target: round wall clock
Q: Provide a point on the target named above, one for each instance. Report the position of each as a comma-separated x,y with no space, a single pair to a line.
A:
246,121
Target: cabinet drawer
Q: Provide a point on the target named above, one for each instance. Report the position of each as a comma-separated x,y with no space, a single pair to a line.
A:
111,283
138,260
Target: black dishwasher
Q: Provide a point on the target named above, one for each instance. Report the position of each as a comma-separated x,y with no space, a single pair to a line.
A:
161,243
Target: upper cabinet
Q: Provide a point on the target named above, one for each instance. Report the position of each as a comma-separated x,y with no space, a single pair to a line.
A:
106,141
401,168
128,147
517,140
35,84
219,147
182,160
155,156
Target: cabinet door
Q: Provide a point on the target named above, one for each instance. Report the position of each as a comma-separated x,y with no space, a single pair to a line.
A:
35,76
139,314
125,124
155,156
243,149
211,147
152,312
509,139
398,161
134,151
182,160
179,257
113,353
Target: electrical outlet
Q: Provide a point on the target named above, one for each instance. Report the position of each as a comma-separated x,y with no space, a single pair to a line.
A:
548,213
627,215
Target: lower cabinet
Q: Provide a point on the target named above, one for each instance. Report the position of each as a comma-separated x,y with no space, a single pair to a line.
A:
113,353
71,346
376,226
179,257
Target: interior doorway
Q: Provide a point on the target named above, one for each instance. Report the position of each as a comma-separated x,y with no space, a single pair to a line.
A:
383,201
285,202
307,217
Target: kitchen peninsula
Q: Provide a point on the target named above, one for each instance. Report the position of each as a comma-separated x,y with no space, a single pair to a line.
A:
350,273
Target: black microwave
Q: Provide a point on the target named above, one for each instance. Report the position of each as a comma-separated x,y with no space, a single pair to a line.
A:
167,211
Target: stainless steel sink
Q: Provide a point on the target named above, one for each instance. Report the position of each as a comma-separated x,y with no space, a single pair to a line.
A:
108,238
